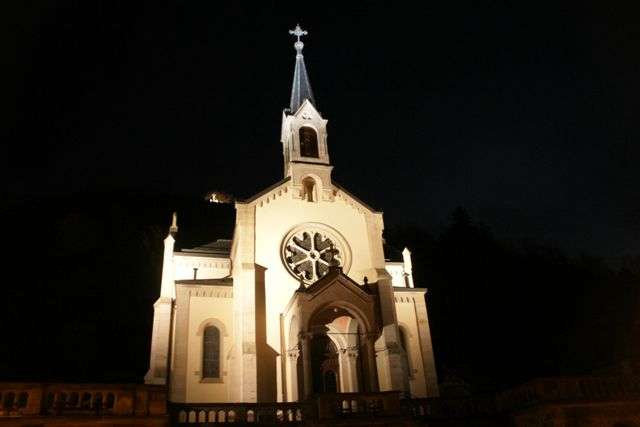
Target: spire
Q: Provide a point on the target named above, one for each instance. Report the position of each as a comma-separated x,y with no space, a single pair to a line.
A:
301,89
173,230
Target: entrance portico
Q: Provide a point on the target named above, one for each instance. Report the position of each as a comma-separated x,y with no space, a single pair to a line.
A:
332,328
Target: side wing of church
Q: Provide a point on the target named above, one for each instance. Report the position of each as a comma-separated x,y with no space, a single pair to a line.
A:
301,300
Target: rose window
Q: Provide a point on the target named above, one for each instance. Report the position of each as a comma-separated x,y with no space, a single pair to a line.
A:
309,253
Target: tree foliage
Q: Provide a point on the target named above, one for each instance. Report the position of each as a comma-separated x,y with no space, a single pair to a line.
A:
505,312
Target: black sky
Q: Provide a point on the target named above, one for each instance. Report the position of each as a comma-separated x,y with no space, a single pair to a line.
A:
523,113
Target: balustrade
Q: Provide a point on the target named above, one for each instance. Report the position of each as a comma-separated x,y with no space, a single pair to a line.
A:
258,413
570,389
29,399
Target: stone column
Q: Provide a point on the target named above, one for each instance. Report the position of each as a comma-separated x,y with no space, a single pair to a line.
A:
392,367
407,267
305,340
245,279
178,389
248,334
292,360
160,342
371,374
349,371
161,333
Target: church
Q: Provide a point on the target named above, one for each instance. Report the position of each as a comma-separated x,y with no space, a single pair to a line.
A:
301,300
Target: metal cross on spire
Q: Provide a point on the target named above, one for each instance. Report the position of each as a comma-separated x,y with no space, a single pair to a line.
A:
298,32
301,89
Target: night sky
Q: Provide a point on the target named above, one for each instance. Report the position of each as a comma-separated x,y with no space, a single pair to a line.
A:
522,114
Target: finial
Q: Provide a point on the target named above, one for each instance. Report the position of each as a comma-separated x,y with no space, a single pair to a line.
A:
365,280
174,224
298,32
333,262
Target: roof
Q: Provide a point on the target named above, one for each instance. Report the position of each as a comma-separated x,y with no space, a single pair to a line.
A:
264,191
301,88
225,281
341,188
220,247
333,274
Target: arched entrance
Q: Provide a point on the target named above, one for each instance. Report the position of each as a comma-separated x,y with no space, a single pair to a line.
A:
331,327
336,352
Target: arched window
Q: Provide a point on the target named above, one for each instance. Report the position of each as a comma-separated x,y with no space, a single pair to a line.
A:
308,142
309,189
211,353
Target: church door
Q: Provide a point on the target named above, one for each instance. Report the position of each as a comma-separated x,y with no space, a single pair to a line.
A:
324,364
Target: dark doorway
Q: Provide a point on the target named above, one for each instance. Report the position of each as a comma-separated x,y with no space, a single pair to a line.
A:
330,382
325,367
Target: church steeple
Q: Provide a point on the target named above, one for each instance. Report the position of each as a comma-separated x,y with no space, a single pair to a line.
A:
304,130
301,89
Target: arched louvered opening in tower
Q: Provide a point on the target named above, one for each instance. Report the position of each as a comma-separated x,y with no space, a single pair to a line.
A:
308,142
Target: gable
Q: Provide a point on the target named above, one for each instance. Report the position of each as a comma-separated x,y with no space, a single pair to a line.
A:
337,291
338,285
308,111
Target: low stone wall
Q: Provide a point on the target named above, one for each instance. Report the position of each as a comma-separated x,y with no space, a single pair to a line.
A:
552,402
84,421
55,399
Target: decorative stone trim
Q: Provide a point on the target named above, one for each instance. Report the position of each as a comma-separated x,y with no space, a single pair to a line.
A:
272,195
208,291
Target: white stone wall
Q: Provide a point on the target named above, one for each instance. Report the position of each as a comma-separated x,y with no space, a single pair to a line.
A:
345,218
216,310
396,270
412,318
208,267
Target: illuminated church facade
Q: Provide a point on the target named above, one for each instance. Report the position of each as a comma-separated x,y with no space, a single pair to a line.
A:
301,300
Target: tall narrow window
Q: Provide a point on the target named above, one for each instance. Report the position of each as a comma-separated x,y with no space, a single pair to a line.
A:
211,353
308,142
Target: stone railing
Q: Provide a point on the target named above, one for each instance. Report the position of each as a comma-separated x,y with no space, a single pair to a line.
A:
436,407
51,399
534,393
578,389
258,413
346,405
321,407
22,399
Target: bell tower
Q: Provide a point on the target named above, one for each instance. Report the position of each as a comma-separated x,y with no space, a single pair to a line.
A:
304,130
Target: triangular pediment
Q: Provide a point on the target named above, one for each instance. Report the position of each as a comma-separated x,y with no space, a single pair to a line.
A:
307,111
339,283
